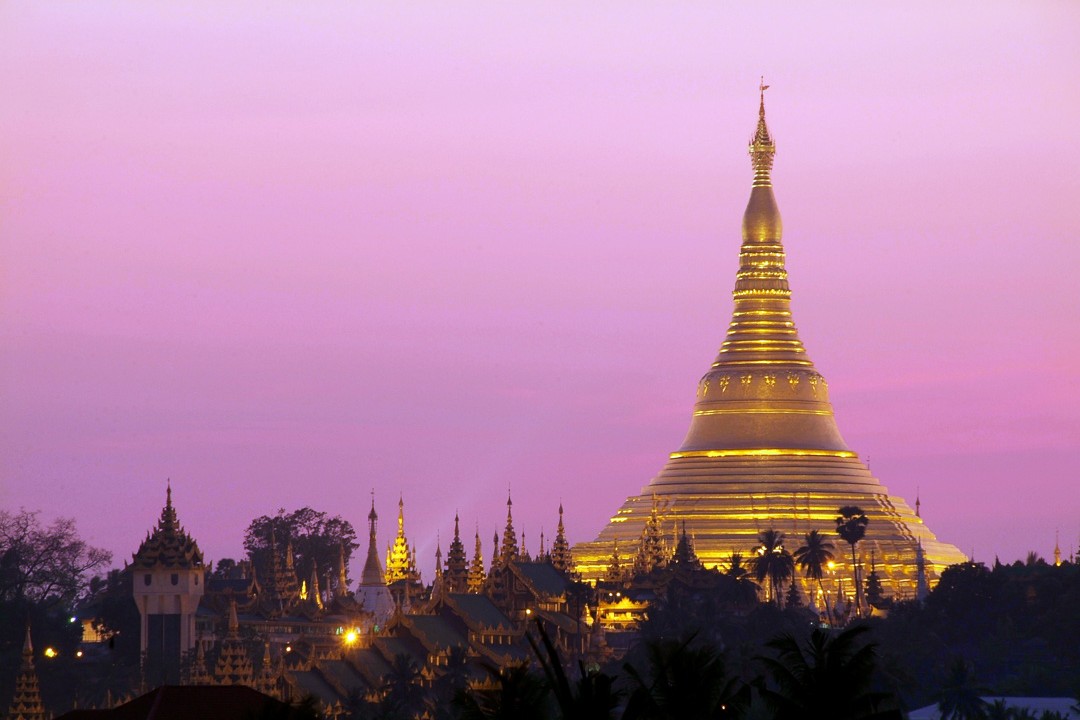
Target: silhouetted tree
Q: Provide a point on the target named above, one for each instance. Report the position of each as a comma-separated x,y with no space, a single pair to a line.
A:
851,527
680,681
960,694
812,557
592,697
518,695
44,565
772,562
828,676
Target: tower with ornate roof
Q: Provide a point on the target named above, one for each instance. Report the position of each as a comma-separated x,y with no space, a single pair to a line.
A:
26,703
763,449
169,578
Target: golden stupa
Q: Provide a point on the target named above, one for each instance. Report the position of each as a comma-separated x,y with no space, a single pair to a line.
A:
763,450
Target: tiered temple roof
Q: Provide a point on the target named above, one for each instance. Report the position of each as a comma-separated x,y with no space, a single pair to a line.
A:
168,545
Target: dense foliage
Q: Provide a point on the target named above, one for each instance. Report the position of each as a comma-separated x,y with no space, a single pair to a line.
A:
317,540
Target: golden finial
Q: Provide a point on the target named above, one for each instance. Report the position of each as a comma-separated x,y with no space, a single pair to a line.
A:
762,147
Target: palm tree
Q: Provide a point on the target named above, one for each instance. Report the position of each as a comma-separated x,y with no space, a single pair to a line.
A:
681,682
592,697
453,679
518,694
404,696
772,561
959,699
827,677
851,527
812,558
743,592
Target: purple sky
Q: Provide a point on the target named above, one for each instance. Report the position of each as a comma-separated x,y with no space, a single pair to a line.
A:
286,253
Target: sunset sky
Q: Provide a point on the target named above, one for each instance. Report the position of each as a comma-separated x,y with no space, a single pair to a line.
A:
288,253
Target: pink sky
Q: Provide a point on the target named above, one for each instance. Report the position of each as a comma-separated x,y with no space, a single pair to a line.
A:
286,253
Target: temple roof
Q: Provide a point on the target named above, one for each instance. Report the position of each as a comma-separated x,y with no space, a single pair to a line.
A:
168,545
478,612
543,578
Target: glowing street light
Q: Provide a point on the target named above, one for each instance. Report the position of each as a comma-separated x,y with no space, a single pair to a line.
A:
50,652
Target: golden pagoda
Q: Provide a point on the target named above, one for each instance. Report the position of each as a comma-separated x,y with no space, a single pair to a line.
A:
763,450
400,558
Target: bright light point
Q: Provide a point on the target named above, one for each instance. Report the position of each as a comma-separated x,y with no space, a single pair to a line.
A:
50,653
351,637
78,653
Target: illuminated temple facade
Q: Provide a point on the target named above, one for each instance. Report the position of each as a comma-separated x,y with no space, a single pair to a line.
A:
763,449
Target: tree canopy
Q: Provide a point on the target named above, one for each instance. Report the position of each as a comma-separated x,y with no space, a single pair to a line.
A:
44,564
317,539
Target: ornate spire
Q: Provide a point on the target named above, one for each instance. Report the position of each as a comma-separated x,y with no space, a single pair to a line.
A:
1057,549
373,572
524,555
198,674
509,549
315,593
615,570
685,556
561,557
233,664
457,564
282,587
26,704
267,680
168,514
476,568
762,147
650,553
341,587
401,559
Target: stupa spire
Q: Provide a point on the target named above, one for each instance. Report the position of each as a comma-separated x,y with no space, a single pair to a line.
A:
561,556
762,147
762,367
373,572
476,568
168,513
509,549
401,559
763,427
